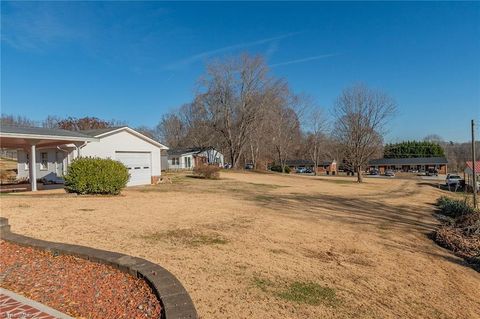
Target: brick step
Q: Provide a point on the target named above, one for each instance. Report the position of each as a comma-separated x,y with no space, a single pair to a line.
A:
3,221
4,226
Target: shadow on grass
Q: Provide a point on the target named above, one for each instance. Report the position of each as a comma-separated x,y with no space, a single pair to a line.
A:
348,210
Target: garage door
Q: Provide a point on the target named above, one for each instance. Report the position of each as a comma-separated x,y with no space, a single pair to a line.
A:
139,166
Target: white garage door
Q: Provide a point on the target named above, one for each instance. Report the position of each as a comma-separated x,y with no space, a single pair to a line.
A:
139,166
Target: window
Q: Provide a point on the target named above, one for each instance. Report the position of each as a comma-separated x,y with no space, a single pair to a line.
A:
175,161
44,161
188,162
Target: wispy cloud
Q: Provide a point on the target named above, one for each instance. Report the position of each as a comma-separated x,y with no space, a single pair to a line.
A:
206,54
34,26
312,58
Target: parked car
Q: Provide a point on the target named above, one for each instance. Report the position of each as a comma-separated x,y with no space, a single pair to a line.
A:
431,172
249,166
301,170
389,173
374,172
452,179
308,171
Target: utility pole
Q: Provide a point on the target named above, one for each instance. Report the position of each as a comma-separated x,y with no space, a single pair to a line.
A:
474,179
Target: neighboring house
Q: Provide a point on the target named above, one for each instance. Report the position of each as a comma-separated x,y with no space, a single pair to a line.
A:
140,154
327,167
468,174
409,164
188,158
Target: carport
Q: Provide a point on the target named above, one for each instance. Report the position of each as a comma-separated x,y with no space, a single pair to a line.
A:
31,138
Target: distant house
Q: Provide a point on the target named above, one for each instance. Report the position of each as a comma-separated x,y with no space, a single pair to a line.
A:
409,164
54,149
327,167
188,158
468,173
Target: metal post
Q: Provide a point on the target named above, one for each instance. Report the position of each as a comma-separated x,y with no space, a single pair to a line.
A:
33,167
474,177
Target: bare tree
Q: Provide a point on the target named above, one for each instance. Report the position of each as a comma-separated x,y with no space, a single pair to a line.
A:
17,120
234,92
285,126
316,137
361,116
51,121
171,130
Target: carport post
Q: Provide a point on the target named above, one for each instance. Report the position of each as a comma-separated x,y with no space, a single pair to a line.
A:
33,166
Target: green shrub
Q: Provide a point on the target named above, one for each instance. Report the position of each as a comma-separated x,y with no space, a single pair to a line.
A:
89,175
278,168
207,171
453,207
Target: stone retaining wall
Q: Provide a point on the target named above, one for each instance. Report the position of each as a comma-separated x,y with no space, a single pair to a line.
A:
175,300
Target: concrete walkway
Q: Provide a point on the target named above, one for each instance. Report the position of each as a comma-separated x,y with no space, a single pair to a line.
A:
13,305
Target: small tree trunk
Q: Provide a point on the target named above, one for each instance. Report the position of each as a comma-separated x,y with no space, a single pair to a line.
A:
359,175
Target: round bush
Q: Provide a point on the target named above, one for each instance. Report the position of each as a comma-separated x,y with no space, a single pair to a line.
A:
91,175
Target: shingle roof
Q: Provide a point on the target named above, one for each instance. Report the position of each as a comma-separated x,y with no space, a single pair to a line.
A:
409,161
98,131
180,151
40,131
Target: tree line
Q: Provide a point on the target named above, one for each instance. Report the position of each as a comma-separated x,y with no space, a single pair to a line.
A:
253,117
408,149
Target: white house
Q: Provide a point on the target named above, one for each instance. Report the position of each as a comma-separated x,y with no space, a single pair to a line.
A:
188,158
141,154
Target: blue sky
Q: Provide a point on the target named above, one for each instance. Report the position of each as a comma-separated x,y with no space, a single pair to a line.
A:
134,61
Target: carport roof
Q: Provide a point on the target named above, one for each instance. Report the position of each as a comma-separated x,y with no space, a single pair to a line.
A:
41,131
19,137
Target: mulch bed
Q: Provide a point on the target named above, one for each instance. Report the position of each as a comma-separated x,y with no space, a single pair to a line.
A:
75,286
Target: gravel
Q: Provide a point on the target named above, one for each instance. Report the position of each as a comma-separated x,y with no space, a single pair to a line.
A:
75,286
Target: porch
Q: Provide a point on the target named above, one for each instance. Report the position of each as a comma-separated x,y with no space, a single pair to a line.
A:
31,140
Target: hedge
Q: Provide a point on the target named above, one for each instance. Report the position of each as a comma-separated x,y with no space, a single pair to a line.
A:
91,175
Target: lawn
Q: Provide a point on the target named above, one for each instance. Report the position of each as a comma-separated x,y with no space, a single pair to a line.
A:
270,246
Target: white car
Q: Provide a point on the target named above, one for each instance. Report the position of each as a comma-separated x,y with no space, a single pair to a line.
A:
452,179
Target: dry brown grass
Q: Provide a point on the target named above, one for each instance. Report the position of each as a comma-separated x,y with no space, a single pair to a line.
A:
7,170
318,247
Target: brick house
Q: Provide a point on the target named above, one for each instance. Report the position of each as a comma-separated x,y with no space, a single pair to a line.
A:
409,164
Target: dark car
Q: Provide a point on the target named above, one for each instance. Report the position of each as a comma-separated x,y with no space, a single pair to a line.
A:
431,172
249,166
374,172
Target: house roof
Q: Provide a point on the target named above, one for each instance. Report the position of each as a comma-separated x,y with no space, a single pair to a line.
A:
16,137
99,133
410,161
186,150
41,131
477,166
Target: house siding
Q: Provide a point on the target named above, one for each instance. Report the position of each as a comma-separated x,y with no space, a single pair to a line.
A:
123,142
52,166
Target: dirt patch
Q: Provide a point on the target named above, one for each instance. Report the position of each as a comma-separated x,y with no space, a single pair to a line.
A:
75,286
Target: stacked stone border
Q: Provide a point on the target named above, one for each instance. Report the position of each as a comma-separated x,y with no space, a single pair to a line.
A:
175,300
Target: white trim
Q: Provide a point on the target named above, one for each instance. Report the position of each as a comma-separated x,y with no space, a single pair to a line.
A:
138,134
48,137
